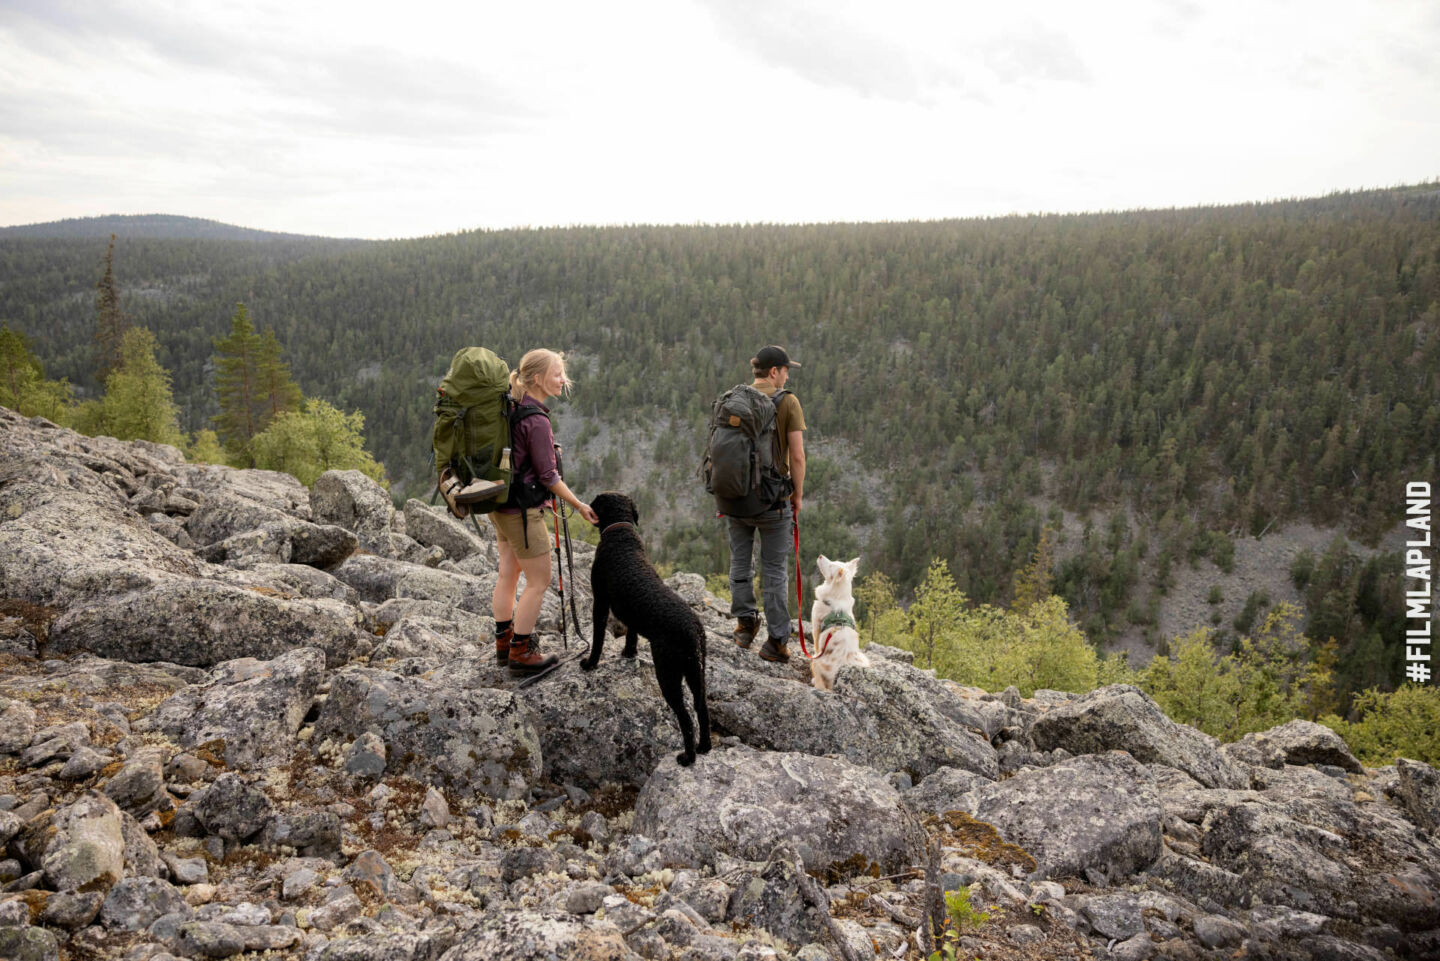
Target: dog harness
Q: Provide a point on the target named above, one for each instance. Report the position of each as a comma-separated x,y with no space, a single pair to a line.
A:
831,623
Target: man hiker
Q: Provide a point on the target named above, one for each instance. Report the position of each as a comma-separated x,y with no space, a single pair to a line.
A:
771,368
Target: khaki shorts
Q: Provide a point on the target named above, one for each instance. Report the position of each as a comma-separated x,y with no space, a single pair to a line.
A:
514,528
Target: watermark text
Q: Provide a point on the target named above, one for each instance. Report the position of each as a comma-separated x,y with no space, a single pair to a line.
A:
1419,590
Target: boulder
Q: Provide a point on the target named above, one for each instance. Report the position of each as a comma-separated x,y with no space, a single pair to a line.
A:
840,817
231,808
1331,857
254,707
134,904
1295,742
17,726
1417,789
1098,811
607,725
436,732
944,790
26,943
353,501
296,580
86,848
1122,717
139,786
380,579
521,935
60,548
437,528
203,623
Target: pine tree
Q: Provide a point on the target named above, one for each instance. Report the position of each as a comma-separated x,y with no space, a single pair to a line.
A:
110,321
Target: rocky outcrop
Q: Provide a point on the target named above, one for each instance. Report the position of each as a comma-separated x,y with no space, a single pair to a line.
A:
237,716
745,803
1123,718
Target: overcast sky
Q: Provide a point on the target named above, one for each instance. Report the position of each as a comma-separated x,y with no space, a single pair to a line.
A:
404,119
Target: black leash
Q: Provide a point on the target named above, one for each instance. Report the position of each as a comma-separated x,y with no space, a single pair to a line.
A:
570,565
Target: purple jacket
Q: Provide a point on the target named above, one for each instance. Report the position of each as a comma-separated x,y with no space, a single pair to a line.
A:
534,436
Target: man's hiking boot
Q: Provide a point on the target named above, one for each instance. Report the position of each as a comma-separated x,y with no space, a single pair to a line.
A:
502,644
774,650
745,630
525,657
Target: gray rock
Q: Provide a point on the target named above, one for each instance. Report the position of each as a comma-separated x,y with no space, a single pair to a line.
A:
71,910
14,913
314,834
840,817
186,870
17,726
1214,931
254,707
47,558
87,847
366,757
321,545
1330,857
1122,717
587,897
297,883
82,764
296,579
225,515
428,944
142,855
353,501
208,939
1116,916
1417,789
268,543
28,944
434,811
230,808
437,528
464,740
133,904
767,896
337,911
1297,742
1199,879
139,787
522,935
203,623
944,790
1091,812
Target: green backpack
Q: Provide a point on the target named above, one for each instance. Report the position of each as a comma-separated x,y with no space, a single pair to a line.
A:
474,417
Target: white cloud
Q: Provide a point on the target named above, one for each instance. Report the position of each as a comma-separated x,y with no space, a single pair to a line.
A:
369,119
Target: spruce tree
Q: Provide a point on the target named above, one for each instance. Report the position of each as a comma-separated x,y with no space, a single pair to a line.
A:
238,386
110,321
278,392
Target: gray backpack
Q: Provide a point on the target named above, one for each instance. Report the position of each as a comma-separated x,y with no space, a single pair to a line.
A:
743,451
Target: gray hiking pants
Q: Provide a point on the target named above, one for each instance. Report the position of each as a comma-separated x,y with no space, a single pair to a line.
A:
775,529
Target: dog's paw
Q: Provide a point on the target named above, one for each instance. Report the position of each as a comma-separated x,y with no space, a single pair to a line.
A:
704,746
588,665
629,652
685,758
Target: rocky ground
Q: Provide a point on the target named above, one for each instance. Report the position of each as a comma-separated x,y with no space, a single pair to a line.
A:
242,717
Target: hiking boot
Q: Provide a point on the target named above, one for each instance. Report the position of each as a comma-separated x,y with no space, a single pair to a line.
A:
774,650
525,656
745,629
502,644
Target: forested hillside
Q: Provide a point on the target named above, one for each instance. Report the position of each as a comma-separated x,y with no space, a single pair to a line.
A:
1196,375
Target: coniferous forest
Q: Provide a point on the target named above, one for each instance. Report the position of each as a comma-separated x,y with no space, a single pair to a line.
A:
1186,378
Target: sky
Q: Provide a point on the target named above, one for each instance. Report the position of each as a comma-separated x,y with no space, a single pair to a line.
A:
384,120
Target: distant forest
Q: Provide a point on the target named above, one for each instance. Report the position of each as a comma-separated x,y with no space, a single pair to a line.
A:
1199,375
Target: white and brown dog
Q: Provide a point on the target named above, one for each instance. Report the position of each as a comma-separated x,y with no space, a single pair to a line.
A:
832,623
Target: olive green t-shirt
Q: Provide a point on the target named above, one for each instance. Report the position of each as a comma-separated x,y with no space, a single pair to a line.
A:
788,417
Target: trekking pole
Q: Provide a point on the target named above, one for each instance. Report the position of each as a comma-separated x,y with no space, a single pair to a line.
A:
799,590
556,507
570,566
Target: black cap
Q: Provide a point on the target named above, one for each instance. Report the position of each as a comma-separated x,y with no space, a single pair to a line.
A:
772,356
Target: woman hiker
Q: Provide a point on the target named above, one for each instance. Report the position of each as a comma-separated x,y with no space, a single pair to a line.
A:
521,533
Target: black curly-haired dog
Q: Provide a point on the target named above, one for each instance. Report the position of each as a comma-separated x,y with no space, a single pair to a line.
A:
623,581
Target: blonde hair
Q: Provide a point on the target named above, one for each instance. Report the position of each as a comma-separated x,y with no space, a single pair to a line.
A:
534,365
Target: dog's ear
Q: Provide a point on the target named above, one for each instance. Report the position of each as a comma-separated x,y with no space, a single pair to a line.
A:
634,513
853,566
